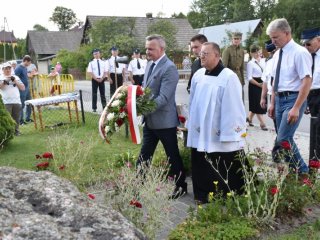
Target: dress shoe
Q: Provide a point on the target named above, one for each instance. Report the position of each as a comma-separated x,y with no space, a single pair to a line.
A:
263,127
94,110
29,121
250,122
179,192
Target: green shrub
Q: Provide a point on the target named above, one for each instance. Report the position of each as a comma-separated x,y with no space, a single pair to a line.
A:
7,125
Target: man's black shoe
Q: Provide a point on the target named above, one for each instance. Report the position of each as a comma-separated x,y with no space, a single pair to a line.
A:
94,110
29,120
179,192
23,123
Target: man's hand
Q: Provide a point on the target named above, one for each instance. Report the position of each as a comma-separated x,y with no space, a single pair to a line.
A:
271,111
293,115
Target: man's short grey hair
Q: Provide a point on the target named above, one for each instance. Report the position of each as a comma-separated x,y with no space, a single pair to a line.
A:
280,24
214,45
159,38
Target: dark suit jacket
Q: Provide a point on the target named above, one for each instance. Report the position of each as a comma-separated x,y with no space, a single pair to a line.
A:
163,83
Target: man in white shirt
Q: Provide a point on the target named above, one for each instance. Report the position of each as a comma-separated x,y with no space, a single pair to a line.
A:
136,68
98,70
291,86
216,126
311,40
116,71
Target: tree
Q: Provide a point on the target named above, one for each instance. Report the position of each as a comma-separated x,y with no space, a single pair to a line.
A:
65,18
7,125
242,10
264,9
38,27
167,30
180,15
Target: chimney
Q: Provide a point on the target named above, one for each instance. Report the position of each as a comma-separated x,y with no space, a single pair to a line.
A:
149,15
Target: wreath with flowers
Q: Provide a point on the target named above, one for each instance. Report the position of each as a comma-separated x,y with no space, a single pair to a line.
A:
126,104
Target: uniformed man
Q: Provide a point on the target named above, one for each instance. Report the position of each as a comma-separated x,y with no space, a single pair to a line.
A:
310,38
116,72
196,44
136,68
233,57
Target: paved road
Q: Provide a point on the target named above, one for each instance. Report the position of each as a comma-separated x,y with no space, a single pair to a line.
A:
183,97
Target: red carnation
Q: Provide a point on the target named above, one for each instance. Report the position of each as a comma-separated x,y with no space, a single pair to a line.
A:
119,122
135,203
92,196
286,145
62,167
314,164
139,91
274,190
42,165
47,155
182,119
307,182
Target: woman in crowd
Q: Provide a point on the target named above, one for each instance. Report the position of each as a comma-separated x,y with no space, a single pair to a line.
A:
255,69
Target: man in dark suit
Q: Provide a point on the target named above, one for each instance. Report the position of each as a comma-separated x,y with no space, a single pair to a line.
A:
196,44
162,78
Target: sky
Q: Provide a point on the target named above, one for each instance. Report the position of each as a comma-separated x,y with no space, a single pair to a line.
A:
25,14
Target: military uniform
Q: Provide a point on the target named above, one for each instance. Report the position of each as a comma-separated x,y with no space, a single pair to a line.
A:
233,58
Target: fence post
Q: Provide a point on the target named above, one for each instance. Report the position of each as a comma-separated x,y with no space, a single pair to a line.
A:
82,110
314,138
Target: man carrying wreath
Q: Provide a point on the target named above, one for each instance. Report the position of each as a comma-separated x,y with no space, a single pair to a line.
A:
162,78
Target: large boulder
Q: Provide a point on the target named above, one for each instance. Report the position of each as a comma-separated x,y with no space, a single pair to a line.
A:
40,205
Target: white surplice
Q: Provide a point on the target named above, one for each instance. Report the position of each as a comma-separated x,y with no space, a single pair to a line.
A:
217,118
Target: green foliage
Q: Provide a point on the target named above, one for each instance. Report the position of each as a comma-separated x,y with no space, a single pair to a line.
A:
167,30
63,17
7,125
38,27
180,15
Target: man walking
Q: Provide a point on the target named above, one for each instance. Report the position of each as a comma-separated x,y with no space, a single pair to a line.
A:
161,124
291,86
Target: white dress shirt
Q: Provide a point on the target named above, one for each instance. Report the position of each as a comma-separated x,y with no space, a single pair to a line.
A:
133,66
295,66
255,68
111,64
93,67
316,72
267,74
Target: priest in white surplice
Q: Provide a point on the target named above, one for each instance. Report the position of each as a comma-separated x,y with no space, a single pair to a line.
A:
216,126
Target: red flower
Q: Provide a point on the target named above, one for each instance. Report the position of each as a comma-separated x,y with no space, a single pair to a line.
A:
314,164
92,196
286,145
42,165
139,91
135,203
62,167
307,182
119,122
274,190
122,109
47,155
182,119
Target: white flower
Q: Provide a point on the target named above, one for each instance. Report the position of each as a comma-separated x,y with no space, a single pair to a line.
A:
110,116
119,95
116,127
122,115
107,129
115,103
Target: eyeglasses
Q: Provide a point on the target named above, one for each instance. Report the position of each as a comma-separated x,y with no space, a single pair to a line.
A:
236,38
203,54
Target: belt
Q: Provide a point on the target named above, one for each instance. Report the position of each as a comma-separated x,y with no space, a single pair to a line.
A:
314,92
117,73
140,75
286,93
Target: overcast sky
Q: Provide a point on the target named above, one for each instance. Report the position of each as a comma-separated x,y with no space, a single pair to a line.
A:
22,15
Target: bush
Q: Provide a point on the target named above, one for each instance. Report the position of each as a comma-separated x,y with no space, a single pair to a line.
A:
7,125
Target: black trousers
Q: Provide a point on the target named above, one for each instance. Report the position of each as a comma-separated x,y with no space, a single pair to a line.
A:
204,175
313,101
168,138
95,86
138,79
113,86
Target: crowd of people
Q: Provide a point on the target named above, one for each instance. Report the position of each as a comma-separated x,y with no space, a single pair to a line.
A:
278,84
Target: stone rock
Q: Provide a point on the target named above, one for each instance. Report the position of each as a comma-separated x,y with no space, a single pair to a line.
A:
40,205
